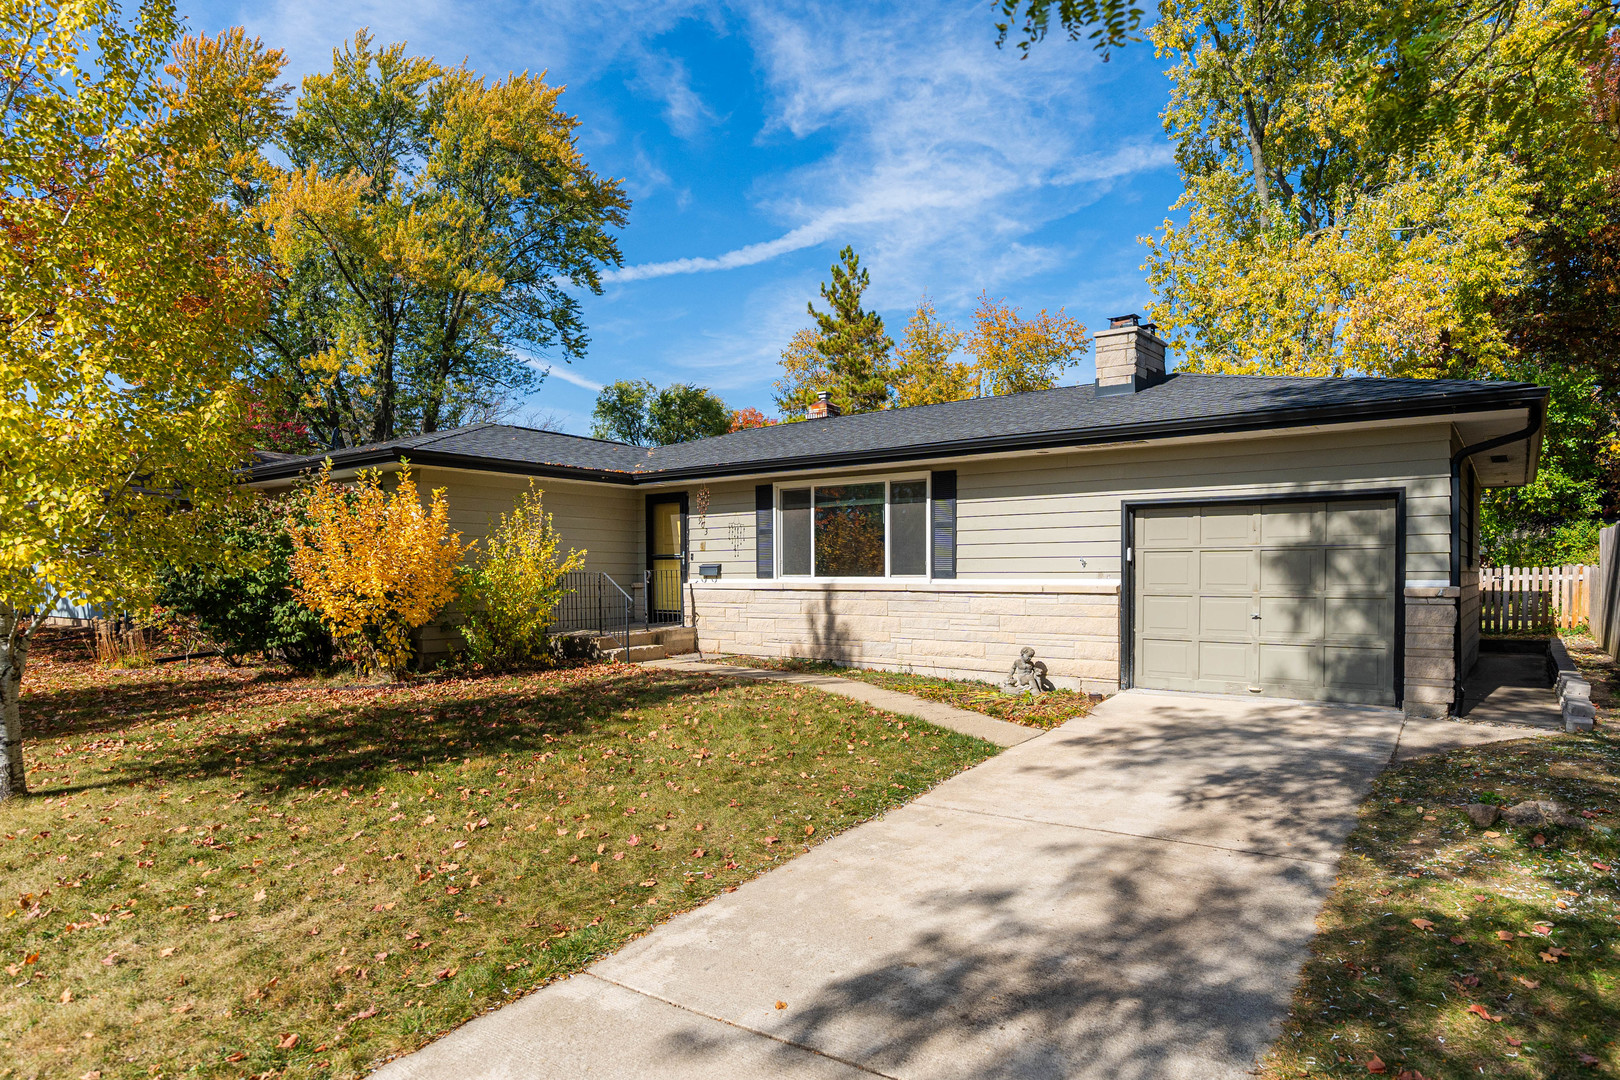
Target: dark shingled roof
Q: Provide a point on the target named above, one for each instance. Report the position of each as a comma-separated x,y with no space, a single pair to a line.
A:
1182,404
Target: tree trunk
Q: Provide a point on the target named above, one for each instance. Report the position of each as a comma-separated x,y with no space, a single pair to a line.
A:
14,633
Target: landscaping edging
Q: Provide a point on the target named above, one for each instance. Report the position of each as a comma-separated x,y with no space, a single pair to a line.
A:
1574,691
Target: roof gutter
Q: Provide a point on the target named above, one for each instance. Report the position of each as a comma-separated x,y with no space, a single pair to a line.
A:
1538,417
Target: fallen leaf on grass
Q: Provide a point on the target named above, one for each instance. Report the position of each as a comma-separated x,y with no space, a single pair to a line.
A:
1384,892
1542,928
1505,935
1376,1065
93,1074
1538,841
180,1010
258,896
1551,955
288,1041
1423,924
448,973
1601,866
1530,984
781,1004
364,1014
1458,939
1514,1042
1586,1059
168,952
1492,833
1484,1013
1468,980
235,1056
1410,1074
67,996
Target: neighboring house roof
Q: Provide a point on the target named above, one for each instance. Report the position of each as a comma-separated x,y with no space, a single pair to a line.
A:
1183,404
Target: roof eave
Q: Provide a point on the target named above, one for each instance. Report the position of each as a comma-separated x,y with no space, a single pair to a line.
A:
1516,396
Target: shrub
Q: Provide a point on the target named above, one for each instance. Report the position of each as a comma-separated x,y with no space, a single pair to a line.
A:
249,607
508,596
374,564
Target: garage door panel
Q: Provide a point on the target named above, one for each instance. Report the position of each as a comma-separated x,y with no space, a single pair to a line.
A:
1225,617
1298,664
1292,616
1169,664
1297,523
1221,526
1167,528
1366,616
1225,661
1167,570
1320,576
1364,569
1160,615
1226,570
1291,568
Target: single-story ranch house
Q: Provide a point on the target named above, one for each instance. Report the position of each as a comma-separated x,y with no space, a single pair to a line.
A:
1308,538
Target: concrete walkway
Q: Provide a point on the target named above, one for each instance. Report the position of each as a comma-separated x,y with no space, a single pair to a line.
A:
1129,896
967,722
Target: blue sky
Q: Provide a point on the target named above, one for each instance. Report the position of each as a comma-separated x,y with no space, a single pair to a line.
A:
757,139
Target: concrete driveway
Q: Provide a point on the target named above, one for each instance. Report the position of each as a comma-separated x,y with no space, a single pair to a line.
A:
1128,896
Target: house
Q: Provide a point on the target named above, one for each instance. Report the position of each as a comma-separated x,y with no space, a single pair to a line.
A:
1309,538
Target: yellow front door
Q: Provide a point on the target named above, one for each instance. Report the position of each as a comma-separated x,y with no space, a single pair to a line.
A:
667,552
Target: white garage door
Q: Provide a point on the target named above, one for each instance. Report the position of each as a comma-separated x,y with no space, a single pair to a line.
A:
1292,600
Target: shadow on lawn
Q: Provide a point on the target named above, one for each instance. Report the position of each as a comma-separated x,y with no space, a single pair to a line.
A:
355,735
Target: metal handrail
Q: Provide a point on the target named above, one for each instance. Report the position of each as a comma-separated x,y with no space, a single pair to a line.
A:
588,604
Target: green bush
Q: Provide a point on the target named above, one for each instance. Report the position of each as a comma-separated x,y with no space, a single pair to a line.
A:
252,609
1572,543
508,595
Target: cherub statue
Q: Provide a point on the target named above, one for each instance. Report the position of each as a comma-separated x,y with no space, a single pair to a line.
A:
1028,675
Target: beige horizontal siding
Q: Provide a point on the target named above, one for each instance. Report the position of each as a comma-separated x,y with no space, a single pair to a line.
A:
603,520
1041,516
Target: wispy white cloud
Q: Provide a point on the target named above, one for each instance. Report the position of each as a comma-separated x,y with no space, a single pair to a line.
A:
566,374
947,153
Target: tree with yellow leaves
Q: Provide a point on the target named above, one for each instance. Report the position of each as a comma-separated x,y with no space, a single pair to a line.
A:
374,564
1014,354
430,230
925,369
128,300
510,593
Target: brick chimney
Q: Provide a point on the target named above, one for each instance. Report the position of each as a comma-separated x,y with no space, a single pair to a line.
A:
823,406
1129,356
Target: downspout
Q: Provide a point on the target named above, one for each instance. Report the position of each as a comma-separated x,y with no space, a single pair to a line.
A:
1457,459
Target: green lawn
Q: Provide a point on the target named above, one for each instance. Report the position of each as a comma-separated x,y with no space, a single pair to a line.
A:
1047,711
231,872
1449,951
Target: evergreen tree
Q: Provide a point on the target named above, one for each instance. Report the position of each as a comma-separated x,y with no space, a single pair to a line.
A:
852,340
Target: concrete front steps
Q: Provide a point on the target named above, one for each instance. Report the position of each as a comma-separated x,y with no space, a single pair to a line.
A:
651,644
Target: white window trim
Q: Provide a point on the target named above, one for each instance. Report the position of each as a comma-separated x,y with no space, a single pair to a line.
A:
886,479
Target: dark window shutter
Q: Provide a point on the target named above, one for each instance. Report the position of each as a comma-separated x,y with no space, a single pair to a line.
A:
943,486
764,531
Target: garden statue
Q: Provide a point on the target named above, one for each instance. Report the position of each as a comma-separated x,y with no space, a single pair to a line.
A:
1028,675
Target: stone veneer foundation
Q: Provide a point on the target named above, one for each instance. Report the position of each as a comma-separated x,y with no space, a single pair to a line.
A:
959,629
974,629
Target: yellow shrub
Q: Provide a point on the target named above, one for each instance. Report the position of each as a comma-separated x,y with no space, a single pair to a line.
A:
510,593
374,564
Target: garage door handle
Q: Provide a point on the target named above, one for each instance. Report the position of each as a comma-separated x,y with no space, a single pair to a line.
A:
1254,616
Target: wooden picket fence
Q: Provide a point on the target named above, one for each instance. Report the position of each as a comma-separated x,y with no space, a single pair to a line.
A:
1534,599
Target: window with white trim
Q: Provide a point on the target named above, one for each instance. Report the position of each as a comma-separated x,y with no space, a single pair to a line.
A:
862,528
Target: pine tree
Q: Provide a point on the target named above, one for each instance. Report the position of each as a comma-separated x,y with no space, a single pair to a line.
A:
852,340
